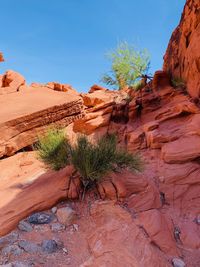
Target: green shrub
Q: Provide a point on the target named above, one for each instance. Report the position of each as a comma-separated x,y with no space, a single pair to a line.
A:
91,161
138,85
128,65
178,82
53,149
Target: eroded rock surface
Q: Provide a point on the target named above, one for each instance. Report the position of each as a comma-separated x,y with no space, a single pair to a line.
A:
29,112
182,58
143,219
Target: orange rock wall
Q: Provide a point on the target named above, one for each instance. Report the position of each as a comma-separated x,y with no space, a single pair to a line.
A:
182,58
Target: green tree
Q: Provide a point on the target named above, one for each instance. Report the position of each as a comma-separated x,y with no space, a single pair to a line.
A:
128,66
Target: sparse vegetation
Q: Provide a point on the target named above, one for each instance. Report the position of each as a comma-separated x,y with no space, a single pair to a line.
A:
91,161
128,66
53,149
138,85
178,82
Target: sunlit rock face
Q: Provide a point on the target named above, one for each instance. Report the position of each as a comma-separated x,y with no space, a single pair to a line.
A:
1,57
182,58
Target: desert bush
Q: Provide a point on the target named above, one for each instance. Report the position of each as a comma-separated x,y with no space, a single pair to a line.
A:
178,82
128,65
53,149
91,160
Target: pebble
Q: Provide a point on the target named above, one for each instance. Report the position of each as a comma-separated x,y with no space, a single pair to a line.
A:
15,264
54,209
49,246
65,250
19,264
8,239
66,215
40,218
198,219
29,247
75,227
40,228
12,249
57,227
25,226
178,262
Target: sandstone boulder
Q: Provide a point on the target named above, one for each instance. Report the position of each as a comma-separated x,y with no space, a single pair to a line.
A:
100,95
161,79
28,113
96,87
11,82
26,187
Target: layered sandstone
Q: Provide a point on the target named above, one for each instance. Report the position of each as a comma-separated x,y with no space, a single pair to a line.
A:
146,219
182,58
30,111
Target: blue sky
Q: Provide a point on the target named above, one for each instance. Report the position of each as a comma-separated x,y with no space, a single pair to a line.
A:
66,40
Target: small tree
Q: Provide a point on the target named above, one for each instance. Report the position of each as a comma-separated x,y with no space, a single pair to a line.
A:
128,66
91,161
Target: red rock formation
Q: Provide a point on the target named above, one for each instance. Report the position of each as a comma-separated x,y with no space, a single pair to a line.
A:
27,113
27,187
158,217
1,57
115,240
182,58
11,82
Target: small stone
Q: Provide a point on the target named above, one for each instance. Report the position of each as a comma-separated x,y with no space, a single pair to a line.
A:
66,215
49,246
19,264
59,242
75,227
29,247
54,209
57,227
161,178
65,250
178,262
8,239
25,226
12,250
198,219
40,218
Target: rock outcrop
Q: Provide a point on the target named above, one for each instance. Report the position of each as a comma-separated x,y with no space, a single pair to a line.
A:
182,58
27,113
1,57
143,219
26,186
117,241
11,82
56,86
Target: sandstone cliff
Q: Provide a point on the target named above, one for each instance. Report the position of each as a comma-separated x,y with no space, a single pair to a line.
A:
182,58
